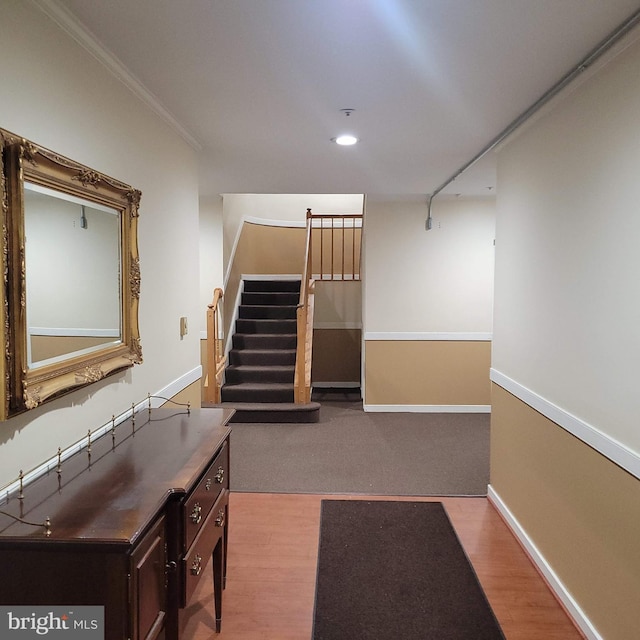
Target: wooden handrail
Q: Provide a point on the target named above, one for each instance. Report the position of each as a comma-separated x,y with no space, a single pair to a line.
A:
215,349
304,317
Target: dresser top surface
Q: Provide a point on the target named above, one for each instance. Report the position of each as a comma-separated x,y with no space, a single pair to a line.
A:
113,494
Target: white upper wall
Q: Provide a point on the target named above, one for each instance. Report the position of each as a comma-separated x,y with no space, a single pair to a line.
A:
429,281
56,94
567,309
211,275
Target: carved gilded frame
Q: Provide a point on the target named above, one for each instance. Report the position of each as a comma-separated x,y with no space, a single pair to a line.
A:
22,387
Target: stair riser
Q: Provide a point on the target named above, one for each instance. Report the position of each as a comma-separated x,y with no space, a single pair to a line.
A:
285,312
250,358
297,417
261,341
279,286
246,325
270,298
263,374
235,394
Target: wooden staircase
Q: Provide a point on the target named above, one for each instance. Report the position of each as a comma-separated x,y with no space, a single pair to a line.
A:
268,376
259,379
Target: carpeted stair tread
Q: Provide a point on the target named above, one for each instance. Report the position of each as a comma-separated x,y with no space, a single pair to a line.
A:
260,373
270,297
250,368
263,385
267,311
257,392
252,357
266,325
265,340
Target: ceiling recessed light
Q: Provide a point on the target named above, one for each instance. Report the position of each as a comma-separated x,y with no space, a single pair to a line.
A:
346,140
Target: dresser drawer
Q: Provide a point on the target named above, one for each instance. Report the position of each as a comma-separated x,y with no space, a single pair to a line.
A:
199,502
200,552
148,583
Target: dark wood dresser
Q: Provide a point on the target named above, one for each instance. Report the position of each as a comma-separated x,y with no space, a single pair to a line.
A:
135,520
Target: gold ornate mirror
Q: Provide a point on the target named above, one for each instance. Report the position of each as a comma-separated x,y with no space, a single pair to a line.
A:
71,287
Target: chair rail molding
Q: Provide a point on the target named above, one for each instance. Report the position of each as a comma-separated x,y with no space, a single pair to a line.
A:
606,445
429,335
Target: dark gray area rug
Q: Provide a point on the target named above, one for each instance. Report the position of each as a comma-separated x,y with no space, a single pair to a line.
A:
396,570
350,451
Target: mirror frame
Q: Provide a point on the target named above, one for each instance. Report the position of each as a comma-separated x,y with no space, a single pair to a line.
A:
22,388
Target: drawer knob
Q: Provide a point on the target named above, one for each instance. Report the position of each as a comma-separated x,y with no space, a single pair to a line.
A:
196,566
219,521
207,485
196,514
220,475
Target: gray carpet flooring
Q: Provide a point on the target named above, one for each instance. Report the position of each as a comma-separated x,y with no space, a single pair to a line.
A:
350,451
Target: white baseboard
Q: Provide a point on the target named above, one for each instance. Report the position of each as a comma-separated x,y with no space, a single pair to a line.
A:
175,387
428,408
571,606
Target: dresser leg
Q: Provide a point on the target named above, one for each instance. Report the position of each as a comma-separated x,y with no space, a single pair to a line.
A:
225,540
218,572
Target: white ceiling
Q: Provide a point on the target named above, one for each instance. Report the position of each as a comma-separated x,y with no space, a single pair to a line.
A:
260,84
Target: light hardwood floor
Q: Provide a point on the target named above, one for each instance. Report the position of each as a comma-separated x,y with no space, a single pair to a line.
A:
272,569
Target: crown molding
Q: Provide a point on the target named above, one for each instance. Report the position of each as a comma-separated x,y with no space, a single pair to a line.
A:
88,41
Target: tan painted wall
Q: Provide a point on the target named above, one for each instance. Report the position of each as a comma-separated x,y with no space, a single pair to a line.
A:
264,249
427,372
338,304
190,394
43,347
291,207
203,362
580,510
336,355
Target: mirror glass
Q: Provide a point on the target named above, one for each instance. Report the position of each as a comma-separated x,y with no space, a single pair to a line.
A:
72,261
